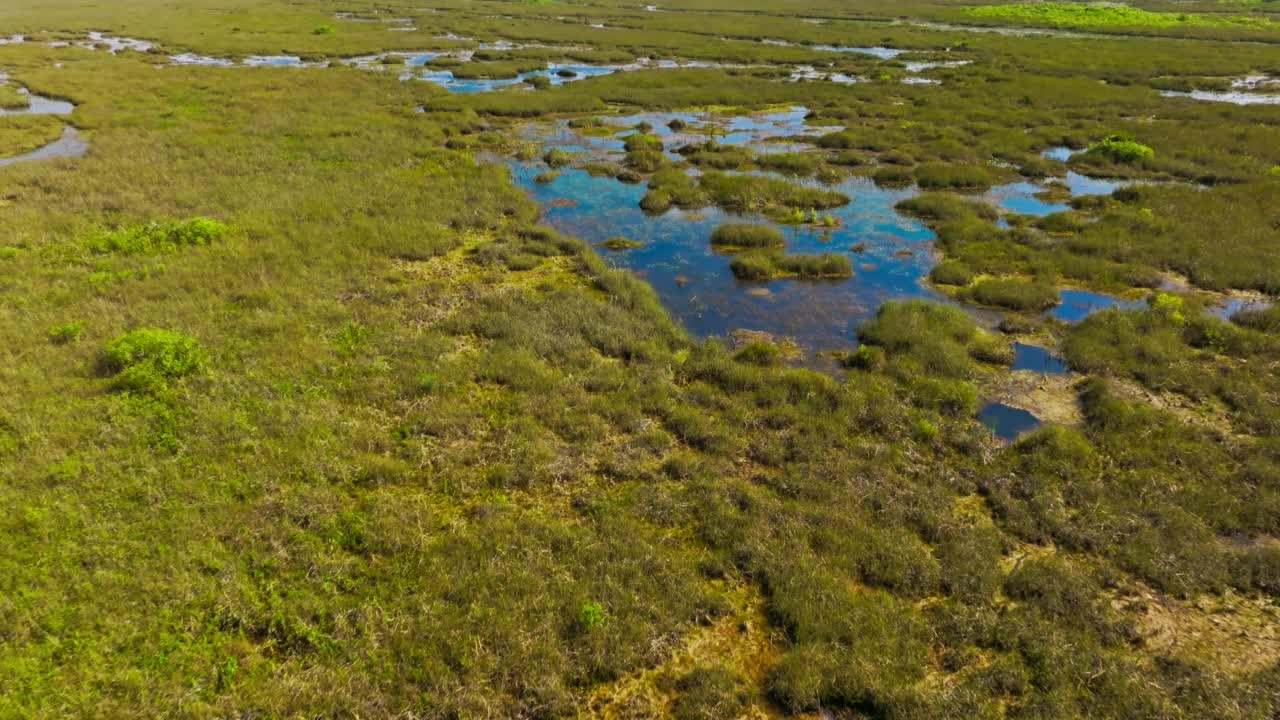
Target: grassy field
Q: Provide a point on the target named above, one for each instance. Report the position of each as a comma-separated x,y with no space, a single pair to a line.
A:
306,415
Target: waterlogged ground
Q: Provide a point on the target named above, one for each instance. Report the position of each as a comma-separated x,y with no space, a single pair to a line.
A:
274,293
69,144
695,282
891,253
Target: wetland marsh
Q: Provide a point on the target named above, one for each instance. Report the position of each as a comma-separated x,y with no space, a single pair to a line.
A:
600,360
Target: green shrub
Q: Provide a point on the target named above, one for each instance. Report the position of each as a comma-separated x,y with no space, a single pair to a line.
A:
146,359
747,235
66,332
323,30
590,615
1063,223
763,193
1120,149
1265,319
953,397
157,237
763,354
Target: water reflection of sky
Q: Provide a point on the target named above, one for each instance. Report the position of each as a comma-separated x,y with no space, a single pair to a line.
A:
893,254
695,283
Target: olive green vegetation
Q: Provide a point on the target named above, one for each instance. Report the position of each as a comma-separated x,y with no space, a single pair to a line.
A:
304,415
1089,14
747,235
1167,349
12,99
23,133
1013,293
764,194
767,265
621,243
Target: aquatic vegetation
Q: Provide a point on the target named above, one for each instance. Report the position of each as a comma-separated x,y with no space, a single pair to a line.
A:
766,266
788,163
557,158
747,235
1014,294
620,243
934,176
763,193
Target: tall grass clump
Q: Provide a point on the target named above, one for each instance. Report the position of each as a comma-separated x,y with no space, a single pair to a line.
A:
931,176
1015,294
747,235
765,265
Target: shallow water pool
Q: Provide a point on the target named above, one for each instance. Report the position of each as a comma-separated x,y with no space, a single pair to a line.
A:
1007,422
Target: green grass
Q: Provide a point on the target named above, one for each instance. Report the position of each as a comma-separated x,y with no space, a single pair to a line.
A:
933,176
385,447
1014,294
24,133
1112,15
747,235
766,266
12,99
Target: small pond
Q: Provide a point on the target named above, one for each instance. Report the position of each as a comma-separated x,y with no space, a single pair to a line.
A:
1037,359
891,254
695,283
1020,197
1077,304
1007,422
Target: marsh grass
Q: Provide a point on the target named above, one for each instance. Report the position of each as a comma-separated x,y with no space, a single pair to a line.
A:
437,461
24,133
769,265
747,235
12,99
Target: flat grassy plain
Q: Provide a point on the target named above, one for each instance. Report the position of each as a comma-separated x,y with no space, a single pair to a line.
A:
306,415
